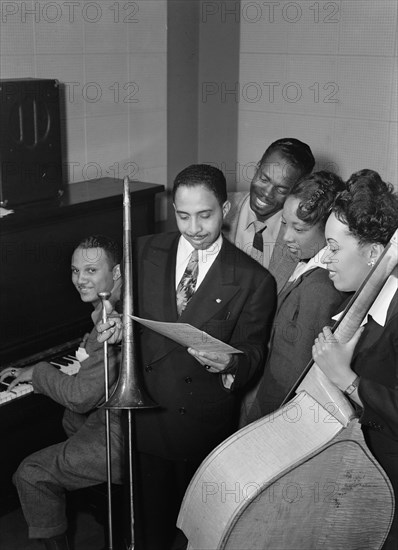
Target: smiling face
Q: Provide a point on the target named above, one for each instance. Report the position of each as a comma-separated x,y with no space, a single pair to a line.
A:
302,239
199,215
271,185
92,273
346,259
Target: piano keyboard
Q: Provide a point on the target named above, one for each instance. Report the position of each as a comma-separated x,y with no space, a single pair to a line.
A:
67,364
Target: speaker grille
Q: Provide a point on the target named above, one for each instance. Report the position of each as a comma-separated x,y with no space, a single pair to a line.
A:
30,141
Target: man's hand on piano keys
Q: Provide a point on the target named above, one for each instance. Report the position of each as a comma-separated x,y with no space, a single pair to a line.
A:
20,375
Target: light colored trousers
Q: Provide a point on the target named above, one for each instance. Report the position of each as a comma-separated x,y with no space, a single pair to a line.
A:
43,478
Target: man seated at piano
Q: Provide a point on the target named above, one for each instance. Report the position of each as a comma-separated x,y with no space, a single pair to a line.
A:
43,478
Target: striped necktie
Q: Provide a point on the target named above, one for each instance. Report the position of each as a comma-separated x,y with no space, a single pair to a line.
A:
186,287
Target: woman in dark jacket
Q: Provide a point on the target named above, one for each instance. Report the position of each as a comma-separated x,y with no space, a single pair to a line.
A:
362,222
309,300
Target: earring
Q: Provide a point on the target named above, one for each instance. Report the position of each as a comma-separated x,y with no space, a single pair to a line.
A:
371,263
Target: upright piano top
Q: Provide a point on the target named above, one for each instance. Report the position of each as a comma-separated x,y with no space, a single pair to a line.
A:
90,194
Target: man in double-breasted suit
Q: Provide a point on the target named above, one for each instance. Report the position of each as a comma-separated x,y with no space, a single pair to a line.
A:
234,301
259,211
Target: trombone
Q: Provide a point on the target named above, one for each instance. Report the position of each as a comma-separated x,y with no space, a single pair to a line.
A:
128,394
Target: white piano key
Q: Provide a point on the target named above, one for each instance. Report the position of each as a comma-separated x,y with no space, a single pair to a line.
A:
18,391
24,389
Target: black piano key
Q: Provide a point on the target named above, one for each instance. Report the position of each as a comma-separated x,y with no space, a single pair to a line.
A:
4,385
60,361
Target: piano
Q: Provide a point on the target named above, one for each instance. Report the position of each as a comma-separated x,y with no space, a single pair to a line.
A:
41,314
67,364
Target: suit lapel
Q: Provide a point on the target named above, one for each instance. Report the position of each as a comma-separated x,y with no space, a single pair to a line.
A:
288,289
160,279
282,297
393,308
231,222
373,331
282,264
215,291
159,288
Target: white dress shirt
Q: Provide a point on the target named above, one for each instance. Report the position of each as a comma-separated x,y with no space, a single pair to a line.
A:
248,225
205,259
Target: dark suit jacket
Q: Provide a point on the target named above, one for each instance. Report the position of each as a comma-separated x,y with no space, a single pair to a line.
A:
375,360
235,303
304,308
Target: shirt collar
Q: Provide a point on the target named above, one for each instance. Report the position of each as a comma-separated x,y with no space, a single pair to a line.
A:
251,219
315,261
303,267
185,248
379,308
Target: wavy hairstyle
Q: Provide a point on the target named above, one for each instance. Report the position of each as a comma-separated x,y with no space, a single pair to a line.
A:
203,174
369,207
317,193
111,247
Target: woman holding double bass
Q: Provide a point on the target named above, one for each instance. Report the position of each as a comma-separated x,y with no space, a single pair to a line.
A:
363,219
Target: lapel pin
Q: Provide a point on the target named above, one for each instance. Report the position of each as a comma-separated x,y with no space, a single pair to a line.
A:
218,300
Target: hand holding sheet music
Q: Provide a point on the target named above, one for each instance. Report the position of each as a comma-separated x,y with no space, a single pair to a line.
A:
188,336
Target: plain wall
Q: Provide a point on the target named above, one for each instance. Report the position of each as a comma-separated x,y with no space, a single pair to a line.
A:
332,70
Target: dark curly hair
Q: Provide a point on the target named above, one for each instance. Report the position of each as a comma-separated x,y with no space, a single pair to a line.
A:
203,174
110,246
317,193
369,207
295,152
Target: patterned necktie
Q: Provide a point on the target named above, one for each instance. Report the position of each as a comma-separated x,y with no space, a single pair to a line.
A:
186,287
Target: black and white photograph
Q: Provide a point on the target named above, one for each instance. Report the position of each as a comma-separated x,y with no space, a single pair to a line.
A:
198,275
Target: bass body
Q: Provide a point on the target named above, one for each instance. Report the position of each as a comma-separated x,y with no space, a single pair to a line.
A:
255,491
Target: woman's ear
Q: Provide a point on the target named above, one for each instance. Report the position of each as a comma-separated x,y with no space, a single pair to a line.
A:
116,273
375,251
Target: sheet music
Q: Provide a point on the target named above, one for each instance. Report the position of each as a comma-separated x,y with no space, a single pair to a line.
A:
188,336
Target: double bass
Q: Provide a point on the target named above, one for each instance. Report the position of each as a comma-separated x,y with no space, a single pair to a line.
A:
302,477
